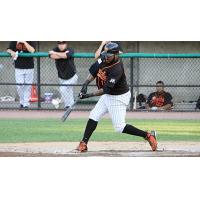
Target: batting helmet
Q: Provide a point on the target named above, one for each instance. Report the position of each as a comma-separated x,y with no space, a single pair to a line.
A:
111,49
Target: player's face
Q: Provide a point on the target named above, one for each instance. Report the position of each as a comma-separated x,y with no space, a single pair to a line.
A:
62,46
109,59
159,88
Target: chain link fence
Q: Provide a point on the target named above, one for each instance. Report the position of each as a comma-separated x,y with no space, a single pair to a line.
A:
180,73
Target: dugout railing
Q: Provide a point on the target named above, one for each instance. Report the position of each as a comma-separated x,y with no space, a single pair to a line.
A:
179,72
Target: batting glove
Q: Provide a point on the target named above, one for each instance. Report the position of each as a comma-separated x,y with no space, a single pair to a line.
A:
85,96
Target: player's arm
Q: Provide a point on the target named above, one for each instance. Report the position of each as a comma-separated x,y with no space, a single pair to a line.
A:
112,79
99,50
12,53
93,94
165,107
148,103
61,55
58,55
30,48
168,102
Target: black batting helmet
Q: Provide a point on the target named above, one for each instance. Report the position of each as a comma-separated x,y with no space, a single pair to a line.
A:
111,49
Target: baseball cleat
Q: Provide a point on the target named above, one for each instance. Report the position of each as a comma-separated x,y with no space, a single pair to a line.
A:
82,147
151,138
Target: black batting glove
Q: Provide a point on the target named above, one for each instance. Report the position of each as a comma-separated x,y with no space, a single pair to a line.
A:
85,96
84,89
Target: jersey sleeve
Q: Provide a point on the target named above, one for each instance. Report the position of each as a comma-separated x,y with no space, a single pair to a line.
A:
112,78
95,68
70,53
150,98
168,99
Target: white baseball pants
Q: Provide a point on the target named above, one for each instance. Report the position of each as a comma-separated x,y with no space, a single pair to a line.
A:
66,92
116,106
24,91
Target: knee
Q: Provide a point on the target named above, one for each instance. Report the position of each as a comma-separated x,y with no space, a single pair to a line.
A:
119,127
94,116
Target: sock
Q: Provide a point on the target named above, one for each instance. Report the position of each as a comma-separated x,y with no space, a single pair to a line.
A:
129,129
90,127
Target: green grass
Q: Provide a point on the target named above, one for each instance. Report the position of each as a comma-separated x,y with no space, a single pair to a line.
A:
53,130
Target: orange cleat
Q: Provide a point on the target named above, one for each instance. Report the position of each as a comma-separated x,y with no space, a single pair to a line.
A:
151,138
82,147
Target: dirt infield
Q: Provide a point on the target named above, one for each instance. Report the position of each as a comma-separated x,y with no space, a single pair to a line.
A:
77,114
104,149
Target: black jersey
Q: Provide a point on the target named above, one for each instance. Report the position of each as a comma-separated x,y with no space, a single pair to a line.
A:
159,99
22,62
111,77
65,67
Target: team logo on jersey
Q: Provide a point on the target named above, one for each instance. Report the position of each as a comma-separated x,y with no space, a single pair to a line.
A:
112,80
102,75
158,101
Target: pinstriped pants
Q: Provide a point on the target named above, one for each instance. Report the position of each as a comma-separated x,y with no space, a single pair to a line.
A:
116,106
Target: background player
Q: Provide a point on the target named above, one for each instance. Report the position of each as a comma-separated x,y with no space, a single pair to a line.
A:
24,69
64,61
159,100
115,97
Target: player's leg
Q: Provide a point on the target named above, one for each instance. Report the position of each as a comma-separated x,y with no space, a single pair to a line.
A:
117,111
19,77
67,93
95,115
29,74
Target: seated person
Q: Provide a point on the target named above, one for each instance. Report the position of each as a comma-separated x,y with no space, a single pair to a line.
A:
159,100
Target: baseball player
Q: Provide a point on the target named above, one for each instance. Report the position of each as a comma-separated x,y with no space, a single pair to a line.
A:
64,61
24,69
115,97
159,100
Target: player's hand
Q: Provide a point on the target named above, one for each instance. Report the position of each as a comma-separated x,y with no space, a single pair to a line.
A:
13,54
84,96
83,89
51,52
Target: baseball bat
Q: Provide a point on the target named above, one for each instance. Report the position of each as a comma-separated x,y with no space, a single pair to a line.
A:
135,101
69,110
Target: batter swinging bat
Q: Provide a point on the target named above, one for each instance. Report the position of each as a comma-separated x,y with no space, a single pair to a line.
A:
69,110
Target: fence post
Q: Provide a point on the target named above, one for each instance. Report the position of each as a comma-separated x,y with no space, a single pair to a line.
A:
131,84
38,78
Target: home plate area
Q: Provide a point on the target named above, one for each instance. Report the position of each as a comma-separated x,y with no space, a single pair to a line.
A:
100,149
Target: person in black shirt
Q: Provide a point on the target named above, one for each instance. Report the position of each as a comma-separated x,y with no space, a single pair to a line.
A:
24,69
159,100
64,61
115,97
